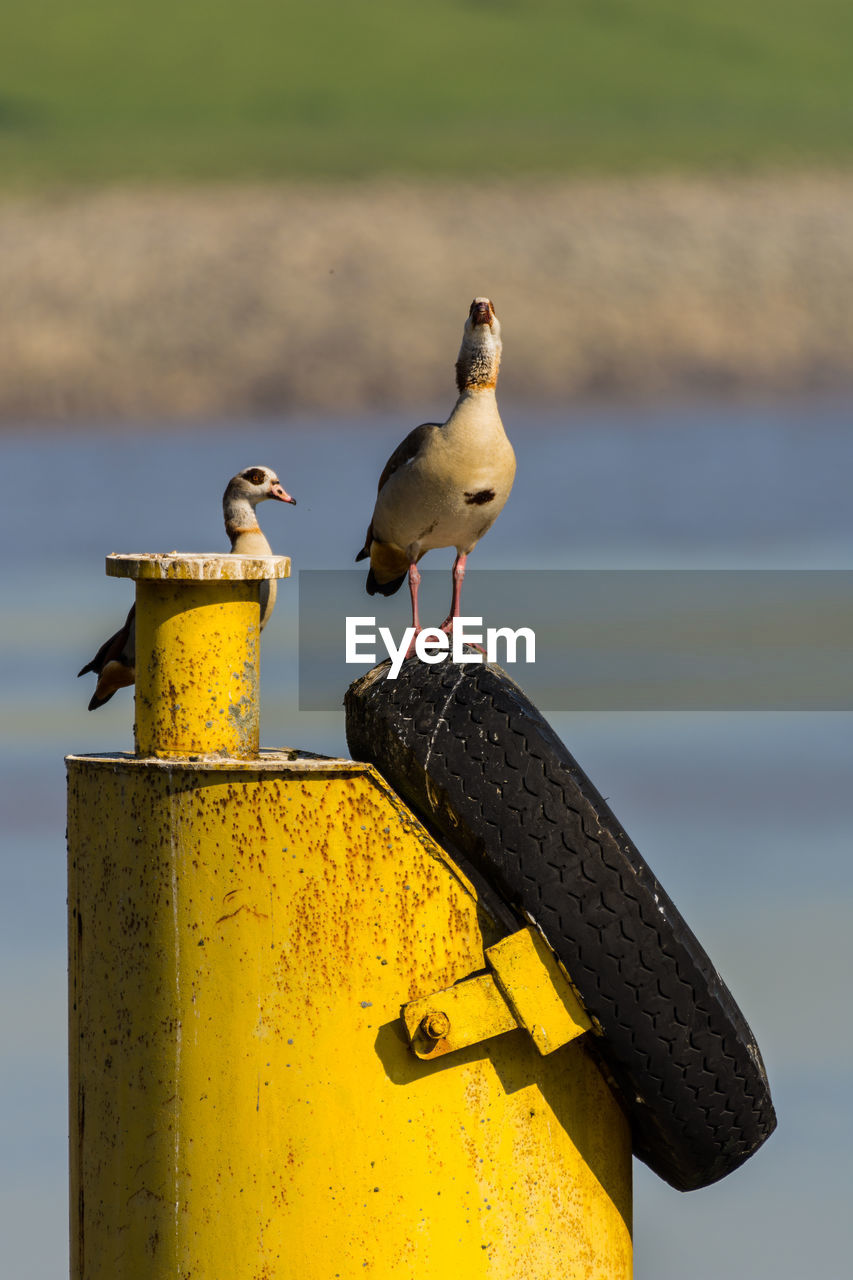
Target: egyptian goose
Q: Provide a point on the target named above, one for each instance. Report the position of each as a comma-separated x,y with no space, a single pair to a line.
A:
243,494
447,483
115,660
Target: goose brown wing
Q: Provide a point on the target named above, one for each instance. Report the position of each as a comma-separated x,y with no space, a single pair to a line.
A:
405,452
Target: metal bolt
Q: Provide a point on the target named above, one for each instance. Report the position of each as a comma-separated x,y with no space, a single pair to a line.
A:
436,1025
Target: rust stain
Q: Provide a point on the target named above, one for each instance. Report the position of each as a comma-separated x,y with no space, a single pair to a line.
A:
259,915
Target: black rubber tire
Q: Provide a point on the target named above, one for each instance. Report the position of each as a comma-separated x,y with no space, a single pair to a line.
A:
486,772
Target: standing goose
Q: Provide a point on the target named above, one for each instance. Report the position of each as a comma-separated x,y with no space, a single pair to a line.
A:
447,483
114,663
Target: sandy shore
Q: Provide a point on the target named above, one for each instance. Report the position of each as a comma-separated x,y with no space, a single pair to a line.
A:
219,301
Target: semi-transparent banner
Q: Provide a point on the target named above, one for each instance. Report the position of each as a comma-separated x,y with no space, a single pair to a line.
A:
601,640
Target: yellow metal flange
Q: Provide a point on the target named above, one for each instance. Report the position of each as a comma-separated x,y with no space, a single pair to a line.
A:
459,1016
527,987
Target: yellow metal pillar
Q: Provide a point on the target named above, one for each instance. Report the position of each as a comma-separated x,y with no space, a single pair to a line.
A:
197,650
248,938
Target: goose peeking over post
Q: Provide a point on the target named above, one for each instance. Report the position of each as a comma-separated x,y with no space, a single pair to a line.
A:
447,483
243,494
114,663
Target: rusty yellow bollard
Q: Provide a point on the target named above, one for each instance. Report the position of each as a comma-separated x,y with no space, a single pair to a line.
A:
268,1078
197,650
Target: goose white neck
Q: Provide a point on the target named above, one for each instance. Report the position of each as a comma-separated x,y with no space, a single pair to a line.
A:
479,360
240,516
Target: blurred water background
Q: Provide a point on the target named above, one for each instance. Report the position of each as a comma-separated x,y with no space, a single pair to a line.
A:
745,817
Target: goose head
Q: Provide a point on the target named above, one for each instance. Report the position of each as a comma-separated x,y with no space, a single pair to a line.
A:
480,354
246,490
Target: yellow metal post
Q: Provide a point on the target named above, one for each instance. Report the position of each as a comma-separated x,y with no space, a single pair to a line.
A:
197,650
245,1103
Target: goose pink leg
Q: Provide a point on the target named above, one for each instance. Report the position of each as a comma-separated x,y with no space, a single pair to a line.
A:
414,583
458,579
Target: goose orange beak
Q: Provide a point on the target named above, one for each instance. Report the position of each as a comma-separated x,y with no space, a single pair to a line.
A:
276,491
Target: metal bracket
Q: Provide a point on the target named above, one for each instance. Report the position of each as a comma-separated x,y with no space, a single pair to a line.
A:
525,987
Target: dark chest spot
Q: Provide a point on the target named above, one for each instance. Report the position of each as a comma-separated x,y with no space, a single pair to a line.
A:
480,498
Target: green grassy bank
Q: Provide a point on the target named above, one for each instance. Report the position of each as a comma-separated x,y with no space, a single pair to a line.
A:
101,90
